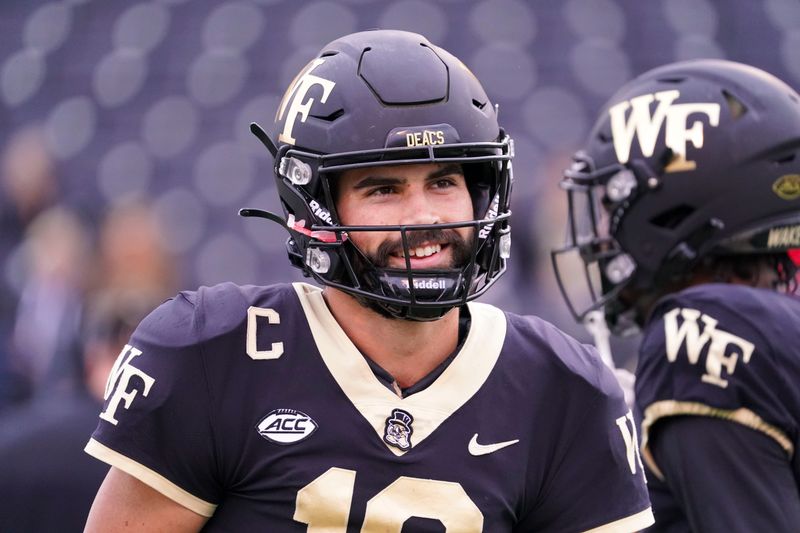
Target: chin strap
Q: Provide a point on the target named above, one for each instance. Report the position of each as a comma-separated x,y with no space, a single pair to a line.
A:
595,324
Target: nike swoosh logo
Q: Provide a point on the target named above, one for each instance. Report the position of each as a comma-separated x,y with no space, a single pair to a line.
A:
482,449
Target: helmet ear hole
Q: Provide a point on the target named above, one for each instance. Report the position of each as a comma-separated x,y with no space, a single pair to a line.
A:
736,107
480,105
788,158
331,117
605,137
673,80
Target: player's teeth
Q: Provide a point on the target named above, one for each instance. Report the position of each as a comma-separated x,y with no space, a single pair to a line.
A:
425,251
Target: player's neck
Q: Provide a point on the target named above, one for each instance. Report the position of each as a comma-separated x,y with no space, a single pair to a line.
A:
407,349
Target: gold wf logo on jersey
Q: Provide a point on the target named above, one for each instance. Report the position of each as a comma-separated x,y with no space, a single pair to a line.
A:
298,104
639,123
724,349
124,382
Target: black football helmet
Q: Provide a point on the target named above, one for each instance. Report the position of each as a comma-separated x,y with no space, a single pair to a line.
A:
388,98
687,161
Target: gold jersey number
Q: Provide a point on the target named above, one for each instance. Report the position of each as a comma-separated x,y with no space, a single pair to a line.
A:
324,504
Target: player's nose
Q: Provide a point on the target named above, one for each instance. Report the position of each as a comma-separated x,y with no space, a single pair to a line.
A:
419,208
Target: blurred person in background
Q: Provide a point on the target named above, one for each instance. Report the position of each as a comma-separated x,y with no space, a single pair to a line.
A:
131,257
29,184
685,214
47,483
45,349
29,187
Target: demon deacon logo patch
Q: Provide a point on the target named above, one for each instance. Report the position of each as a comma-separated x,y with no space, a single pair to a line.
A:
286,426
398,429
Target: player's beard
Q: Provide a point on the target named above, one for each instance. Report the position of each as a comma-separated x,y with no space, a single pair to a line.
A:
365,264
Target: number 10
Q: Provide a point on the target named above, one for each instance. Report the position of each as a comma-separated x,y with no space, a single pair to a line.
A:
324,504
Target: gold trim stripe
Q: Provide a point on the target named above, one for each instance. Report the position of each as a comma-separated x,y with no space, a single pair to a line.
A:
150,477
745,417
634,522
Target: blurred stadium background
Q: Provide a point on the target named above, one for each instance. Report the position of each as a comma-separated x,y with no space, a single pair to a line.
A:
151,100
126,153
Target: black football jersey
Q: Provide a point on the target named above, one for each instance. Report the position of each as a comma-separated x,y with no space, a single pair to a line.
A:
251,406
724,351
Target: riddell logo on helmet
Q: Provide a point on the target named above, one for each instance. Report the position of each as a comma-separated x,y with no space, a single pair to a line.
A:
297,92
425,283
320,212
646,127
491,214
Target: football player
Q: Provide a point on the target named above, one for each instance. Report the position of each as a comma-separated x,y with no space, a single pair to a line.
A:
389,400
684,210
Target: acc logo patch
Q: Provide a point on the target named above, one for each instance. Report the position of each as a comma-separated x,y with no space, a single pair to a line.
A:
787,187
286,426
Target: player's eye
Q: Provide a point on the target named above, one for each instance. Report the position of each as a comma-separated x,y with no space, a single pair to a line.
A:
383,190
444,183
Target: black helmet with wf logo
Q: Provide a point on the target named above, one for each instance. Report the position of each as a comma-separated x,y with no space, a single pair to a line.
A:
388,98
690,160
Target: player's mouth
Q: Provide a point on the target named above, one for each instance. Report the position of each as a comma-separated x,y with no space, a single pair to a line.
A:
427,249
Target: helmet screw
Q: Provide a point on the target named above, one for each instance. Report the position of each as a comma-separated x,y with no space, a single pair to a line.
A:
296,171
620,268
621,185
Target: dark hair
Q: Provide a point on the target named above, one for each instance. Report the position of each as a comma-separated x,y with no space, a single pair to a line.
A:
749,269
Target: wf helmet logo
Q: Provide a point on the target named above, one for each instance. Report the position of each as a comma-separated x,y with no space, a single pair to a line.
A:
300,106
646,127
724,349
